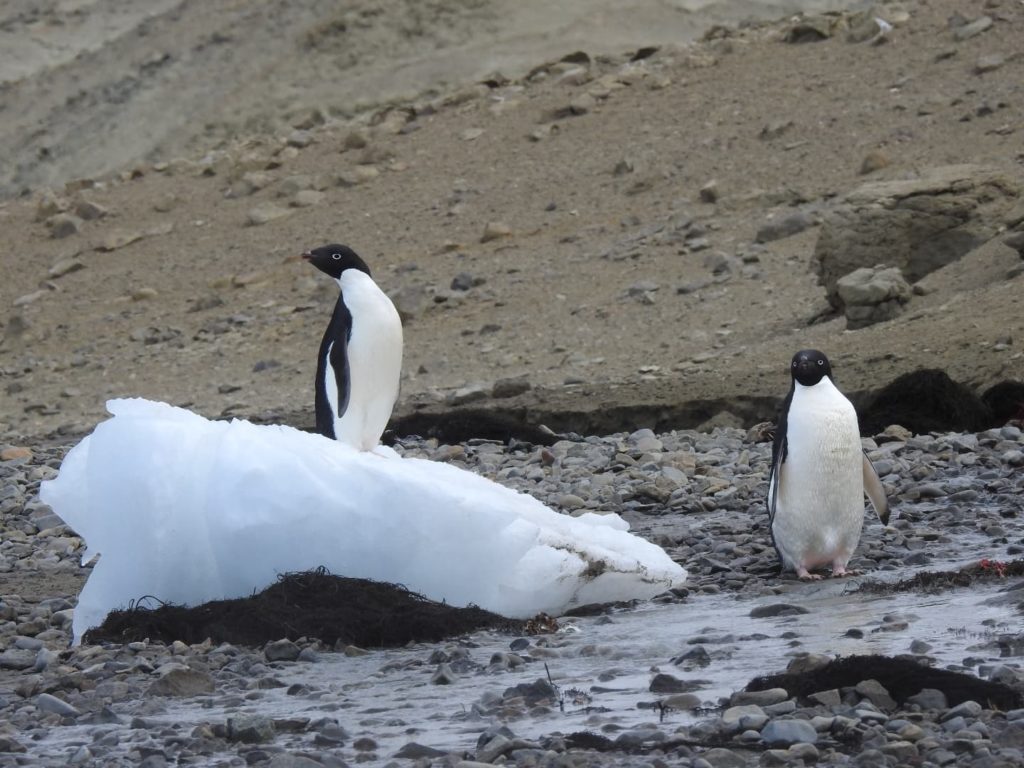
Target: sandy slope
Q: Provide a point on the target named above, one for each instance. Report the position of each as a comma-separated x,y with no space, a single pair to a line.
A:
594,169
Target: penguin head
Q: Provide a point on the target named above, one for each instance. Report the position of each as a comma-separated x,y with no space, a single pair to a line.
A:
810,366
334,259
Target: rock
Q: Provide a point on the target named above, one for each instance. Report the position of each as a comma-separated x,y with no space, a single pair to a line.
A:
811,29
64,225
144,294
709,192
744,717
355,139
46,702
443,675
682,701
875,160
929,699
784,733
119,238
300,139
281,650
250,729
1015,240
307,197
409,300
14,453
875,692
50,204
664,683
786,226
510,387
966,709
989,63
763,698
89,211
976,27
358,175
65,267
495,230
265,213
777,609
414,751
872,295
720,757
182,681
917,225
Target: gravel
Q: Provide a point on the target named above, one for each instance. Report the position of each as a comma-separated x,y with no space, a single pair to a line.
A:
521,701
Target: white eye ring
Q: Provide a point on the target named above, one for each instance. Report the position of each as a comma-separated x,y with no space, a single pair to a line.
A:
335,256
821,362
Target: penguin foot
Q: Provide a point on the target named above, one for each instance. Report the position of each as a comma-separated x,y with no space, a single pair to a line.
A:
804,575
840,571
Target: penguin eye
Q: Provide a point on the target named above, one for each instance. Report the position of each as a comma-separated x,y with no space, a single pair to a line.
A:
335,256
821,362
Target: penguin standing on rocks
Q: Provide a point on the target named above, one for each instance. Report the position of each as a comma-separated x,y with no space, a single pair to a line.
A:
819,473
360,360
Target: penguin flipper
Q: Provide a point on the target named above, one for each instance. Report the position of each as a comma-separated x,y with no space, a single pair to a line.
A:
338,360
875,490
775,479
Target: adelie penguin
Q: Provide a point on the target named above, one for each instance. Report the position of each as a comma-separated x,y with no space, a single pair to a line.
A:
819,473
359,364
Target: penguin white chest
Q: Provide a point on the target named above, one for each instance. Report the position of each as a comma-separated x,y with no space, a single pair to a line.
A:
820,504
374,353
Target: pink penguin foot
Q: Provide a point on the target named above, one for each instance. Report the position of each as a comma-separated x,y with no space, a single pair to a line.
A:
804,575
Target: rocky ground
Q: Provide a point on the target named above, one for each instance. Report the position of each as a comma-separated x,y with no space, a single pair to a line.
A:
636,234
653,685
605,242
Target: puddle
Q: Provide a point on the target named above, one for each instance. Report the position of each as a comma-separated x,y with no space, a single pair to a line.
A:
610,659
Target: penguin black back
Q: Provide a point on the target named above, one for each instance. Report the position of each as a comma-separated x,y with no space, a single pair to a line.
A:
332,359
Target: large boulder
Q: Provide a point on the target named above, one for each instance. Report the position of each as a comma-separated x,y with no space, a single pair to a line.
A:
872,295
918,225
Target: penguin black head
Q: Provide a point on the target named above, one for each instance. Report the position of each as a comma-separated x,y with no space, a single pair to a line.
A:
334,259
810,366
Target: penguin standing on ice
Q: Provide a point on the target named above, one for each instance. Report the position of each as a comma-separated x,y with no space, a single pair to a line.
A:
360,360
819,473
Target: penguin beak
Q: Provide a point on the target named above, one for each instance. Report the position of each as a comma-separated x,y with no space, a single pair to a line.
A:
306,255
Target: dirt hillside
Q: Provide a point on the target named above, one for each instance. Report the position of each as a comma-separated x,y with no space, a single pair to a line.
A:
585,234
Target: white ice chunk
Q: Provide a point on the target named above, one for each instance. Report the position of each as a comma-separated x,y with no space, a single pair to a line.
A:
189,510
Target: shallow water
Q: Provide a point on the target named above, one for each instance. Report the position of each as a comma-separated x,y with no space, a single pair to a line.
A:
608,660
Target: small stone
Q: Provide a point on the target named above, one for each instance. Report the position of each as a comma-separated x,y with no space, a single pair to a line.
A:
356,139
570,501
762,698
46,702
929,698
495,230
784,733
510,387
744,717
873,161
182,681
786,226
777,609
989,63
682,701
89,211
709,192
875,692
443,675
65,267
300,139
250,729
582,104
281,650
119,238
14,453
64,225
966,709
144,294
263,214
663,683
720,757
307,198
976,27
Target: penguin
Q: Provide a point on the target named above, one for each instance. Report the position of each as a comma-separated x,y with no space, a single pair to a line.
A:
360,359
819,473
